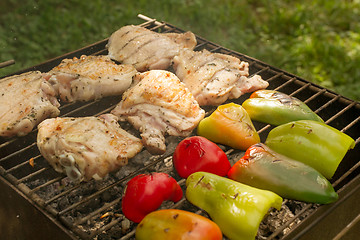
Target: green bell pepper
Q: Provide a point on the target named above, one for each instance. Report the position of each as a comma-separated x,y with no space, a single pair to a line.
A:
237,208
263,168
230,125
276,108
311,142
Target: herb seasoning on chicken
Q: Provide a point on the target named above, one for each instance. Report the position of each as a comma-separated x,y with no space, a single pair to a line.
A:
86,147
146,49
25,100
159,104
214,78
90,77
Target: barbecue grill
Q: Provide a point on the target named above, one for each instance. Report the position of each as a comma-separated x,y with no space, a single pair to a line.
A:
37,202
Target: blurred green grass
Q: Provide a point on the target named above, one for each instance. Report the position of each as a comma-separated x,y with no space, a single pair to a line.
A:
318,40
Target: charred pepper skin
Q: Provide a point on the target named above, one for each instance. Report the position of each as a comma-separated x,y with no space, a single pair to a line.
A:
146,192
177,224
276,108
237,208
230,125
263,168
311,142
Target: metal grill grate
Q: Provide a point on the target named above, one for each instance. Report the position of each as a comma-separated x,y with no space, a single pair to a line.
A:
91,210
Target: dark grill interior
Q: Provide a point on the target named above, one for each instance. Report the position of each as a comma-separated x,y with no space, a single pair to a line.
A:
92,210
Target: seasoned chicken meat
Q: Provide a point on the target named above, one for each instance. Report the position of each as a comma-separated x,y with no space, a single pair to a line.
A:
159,104
87,147
90,77
146,49
25,100
214,77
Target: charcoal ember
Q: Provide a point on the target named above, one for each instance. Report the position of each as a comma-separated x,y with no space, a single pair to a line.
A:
165,166
235,156
125,226
91,205
274,220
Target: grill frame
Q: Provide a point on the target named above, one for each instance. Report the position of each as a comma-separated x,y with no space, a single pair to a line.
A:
16,172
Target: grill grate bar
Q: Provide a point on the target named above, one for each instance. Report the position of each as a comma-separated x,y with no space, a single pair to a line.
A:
345,175
33,174
350,124
300,89
17,152
279,74
106,227
321,92
80,108
262,70
287,224
112,185
3,145
64,193
340,113
21,165
98,211
45,184
327,104
264,128
285,84
7,63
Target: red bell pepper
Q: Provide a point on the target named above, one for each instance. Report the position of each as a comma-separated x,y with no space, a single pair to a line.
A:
146,192
197,153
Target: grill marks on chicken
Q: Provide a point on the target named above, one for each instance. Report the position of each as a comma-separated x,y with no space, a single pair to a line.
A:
214,77
25,100
90,77
87,147
159,104
146,49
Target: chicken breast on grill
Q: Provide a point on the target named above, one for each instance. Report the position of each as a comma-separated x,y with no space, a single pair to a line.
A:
87,147
146,49
159,104
214,77
90,77
25,100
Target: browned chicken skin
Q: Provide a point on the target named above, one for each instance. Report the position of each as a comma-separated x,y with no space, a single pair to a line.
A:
25,100
159,104
90,77
87,147
146,49
214,78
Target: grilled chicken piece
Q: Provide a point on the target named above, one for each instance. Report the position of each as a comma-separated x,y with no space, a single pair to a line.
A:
159,104
87,147
90,77
25,100
146,49
214,77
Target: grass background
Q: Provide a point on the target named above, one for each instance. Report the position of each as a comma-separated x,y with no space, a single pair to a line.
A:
318,40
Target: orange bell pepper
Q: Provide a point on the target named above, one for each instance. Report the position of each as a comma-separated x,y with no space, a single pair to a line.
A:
230,125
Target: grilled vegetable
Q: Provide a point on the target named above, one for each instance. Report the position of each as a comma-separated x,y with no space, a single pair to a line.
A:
237,208
146,192
263,168
177,224
231,125
197,153
276,108
311,142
